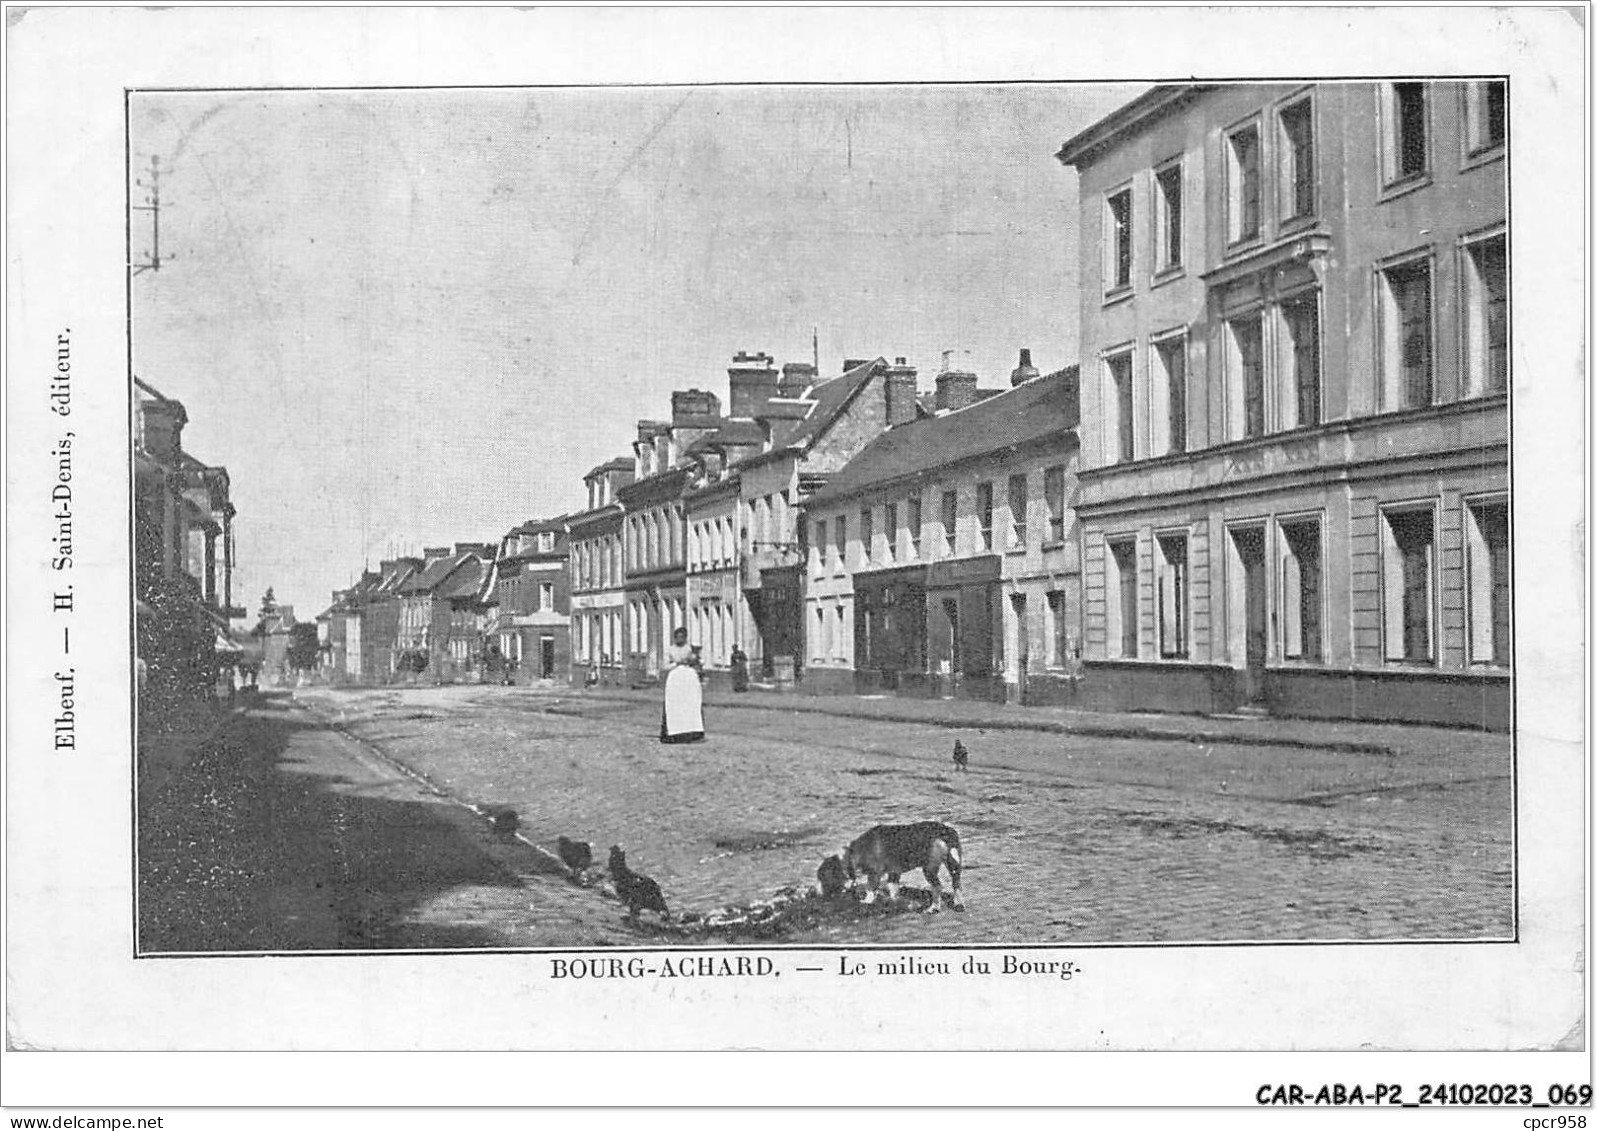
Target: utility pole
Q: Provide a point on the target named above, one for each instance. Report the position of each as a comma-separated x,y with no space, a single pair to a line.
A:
152,205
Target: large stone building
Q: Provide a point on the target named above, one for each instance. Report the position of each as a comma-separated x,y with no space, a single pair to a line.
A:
182,561
942,558
1294,452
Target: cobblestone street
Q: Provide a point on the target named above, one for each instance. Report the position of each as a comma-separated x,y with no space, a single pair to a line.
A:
1068,838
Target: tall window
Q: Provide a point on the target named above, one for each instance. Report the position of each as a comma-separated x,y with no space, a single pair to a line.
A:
1490,599
1297,159
1170,377
1242,183
1122,421
1300,590
1119,244
1408,568
1172,596
1017,511
1405,138
1486,115
1053,489
867,533
820,544
913,519
1300,400
890,529
1245,361
840,525
950,520
1486,316
1058,630
984,516
1167,206
1122,605
1406,354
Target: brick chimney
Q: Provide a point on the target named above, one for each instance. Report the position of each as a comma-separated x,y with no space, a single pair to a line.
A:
1023,372
900,382
752,380
433,554
797,377
956,388
694,408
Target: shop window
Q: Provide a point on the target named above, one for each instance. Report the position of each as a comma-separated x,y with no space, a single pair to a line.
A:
1490,598
1408,573
1300,591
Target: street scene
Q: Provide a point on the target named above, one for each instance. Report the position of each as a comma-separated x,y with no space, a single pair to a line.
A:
1051,514
365,819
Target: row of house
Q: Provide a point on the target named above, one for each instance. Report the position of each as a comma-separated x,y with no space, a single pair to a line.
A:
1276,482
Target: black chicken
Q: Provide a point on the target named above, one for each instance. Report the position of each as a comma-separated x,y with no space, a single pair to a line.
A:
833,876
961,756
575,854
506,822
638,892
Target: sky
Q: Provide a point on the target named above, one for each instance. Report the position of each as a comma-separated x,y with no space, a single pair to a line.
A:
406,318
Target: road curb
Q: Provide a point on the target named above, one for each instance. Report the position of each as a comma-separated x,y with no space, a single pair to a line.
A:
1043,726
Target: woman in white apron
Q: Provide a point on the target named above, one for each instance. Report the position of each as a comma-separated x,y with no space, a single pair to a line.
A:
683,717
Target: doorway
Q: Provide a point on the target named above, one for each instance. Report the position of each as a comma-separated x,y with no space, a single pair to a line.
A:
546,657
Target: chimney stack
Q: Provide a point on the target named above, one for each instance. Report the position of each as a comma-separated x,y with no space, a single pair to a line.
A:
694,408
797,377
433,554
956,388
900,381
1025,371
752,380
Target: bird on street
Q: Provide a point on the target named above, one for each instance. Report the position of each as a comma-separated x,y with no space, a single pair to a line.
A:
637,891
575,854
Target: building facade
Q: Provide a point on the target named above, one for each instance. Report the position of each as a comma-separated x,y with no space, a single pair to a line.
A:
183,562
529,600
942,560
1294,453
598,579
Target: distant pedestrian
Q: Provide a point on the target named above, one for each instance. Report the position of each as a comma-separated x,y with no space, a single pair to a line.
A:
682,717
740,669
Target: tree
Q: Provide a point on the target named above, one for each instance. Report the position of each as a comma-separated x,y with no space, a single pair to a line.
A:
303,646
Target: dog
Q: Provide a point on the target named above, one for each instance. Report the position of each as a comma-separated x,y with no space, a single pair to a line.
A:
891,850
833,877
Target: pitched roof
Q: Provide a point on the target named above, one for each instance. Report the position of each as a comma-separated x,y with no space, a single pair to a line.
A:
831,397
465,581
1038,408
434,575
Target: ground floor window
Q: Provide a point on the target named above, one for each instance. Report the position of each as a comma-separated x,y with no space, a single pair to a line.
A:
1058,630
1490,596
1408,554
1121,598
1300,590
1173,616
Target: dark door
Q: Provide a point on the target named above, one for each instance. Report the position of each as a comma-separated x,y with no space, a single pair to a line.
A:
547,657
1250,548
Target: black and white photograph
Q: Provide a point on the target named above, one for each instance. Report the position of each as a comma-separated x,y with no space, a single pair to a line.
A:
495,589
767,535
